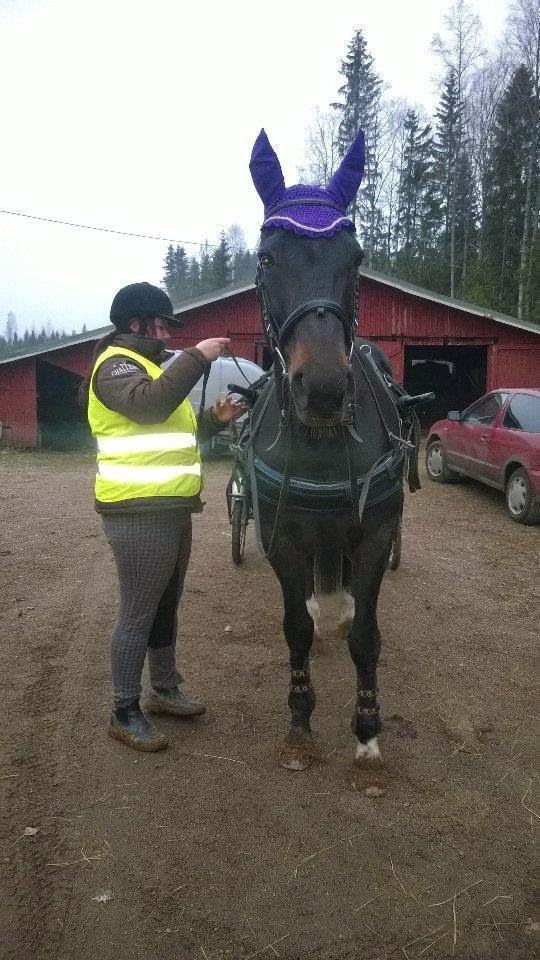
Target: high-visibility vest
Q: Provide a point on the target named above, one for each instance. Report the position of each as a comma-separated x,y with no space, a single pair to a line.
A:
137,460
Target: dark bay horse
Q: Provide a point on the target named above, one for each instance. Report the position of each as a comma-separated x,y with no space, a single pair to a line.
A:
326,458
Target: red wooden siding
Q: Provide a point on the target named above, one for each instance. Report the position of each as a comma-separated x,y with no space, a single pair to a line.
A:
236,317
76,359
18,401
391,318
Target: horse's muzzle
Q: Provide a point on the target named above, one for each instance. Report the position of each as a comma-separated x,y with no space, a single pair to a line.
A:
321,399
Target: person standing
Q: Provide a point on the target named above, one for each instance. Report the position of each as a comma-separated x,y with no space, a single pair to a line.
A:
148,484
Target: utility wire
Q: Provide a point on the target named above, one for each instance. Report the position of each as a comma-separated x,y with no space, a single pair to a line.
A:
85,226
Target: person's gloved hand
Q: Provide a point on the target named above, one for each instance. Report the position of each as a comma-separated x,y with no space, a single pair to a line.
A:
227,411
214,347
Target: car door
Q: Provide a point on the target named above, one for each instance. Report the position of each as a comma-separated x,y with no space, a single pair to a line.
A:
487,444
466,444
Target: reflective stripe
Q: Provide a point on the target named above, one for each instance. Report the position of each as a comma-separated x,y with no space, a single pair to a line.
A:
146,441
120,473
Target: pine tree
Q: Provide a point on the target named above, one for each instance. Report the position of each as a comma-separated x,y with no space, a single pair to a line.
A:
360,108
221,264
418,212
206,274
194,278
448,147
169,277
181,265
244,267
507,194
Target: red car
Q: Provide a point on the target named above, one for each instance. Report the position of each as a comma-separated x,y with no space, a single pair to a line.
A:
495,440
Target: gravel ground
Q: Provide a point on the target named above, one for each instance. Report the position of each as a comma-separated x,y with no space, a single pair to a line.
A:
211,850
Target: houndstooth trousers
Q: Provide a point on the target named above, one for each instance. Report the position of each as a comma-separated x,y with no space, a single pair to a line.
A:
151,551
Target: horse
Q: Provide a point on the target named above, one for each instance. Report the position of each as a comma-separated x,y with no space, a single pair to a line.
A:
326,455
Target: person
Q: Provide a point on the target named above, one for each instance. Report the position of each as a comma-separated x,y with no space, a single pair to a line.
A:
147,486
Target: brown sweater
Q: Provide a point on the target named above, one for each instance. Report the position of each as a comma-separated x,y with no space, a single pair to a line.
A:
124,386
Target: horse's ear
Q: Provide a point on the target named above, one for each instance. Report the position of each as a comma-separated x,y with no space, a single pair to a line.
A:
344,184
266,171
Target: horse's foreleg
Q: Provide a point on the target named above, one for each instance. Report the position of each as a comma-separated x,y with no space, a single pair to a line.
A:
365,645
298,750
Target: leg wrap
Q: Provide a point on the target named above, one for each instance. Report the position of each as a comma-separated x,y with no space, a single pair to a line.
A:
301,698
366,721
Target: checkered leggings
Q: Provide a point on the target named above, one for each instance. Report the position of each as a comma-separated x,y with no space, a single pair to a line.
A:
151,551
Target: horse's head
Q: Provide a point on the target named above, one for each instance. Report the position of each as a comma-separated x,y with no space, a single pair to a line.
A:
309,259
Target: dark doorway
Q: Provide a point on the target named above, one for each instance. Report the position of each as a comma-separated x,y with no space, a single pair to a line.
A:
62,425
456,375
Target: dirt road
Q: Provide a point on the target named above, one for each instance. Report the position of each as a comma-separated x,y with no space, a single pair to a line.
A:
211,850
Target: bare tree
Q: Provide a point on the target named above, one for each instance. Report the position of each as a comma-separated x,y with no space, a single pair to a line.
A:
236,240
322,156
523,36
487,85
459,50
11,327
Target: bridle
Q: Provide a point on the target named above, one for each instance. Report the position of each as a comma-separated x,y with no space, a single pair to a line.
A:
321,308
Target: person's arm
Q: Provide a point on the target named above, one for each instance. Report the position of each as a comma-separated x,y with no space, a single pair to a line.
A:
124,386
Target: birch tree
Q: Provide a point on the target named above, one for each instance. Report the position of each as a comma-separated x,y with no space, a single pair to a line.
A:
459,48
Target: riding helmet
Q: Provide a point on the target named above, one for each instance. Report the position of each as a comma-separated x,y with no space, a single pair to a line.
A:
141,301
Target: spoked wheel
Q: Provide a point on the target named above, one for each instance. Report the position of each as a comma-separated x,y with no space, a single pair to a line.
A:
239,522
394,559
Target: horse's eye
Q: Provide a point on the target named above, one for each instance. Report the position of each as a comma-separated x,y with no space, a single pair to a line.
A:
265,260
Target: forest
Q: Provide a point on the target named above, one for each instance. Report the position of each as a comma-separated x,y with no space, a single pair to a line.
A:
449,201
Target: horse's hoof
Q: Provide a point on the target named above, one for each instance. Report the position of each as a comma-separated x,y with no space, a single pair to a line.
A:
371,778
297,752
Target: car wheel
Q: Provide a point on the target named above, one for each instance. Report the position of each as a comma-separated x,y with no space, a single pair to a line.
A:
436,465
519,498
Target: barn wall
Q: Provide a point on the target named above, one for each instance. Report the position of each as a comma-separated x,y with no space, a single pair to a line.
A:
515,364
392,318
236,317
18,402
77,359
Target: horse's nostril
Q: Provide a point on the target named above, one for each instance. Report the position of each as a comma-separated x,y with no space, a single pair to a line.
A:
298,378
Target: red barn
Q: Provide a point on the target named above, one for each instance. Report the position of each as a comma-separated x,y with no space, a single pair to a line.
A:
456,348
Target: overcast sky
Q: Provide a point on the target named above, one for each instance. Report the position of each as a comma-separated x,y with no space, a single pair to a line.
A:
141,116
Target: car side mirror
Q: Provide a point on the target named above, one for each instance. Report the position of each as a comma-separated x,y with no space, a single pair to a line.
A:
454,415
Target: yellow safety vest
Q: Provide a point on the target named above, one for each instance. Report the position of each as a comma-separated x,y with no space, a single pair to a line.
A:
143,460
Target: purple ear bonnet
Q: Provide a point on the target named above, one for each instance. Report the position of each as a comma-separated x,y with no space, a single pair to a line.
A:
304,210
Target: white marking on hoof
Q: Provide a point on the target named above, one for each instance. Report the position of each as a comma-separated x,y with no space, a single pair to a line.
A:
294,765
368,751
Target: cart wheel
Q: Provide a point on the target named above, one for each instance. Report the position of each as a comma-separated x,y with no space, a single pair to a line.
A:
239,526
395,551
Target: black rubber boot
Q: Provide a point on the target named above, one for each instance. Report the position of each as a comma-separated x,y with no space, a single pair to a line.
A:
174,701
130,725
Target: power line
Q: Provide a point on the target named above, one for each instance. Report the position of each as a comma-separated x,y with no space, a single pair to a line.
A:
85,226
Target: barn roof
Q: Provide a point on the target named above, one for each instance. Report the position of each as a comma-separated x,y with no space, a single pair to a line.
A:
227,292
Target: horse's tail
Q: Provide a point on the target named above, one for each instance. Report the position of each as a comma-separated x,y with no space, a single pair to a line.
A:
328,570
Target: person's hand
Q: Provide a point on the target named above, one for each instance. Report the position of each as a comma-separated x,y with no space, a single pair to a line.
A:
214,347
227,411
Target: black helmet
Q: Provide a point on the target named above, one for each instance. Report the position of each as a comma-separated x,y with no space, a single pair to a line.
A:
141,301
